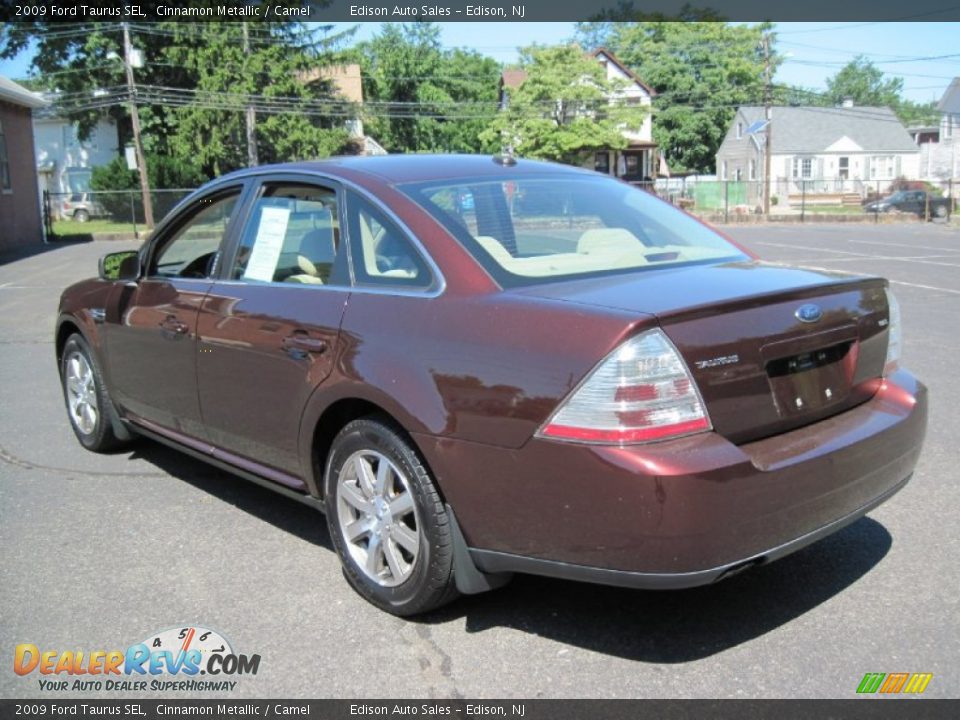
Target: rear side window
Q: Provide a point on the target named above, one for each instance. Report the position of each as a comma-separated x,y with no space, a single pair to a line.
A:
292,236
528,230
382,254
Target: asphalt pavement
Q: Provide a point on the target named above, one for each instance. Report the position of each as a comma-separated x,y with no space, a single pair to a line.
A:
102,551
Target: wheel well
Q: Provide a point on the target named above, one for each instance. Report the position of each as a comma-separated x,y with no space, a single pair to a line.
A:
63,332
335,418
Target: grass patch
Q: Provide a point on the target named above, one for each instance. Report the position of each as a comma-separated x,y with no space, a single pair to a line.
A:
66,228
831,209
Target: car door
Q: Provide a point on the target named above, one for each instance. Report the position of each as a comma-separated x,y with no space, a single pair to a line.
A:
269,326
151,324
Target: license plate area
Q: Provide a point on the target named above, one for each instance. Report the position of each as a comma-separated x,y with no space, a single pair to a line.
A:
812,380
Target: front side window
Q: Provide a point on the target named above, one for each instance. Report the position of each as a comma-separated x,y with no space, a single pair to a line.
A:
527,230
292,236
191,251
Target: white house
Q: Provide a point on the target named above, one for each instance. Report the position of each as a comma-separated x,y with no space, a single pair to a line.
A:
940,145
638,161
64,162
824,151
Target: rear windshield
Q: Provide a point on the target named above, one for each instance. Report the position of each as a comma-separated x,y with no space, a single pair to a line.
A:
533,230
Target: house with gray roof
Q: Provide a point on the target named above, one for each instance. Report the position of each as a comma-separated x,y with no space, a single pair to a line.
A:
837,153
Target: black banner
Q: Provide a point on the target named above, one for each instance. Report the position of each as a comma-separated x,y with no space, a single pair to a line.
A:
477,11
860,709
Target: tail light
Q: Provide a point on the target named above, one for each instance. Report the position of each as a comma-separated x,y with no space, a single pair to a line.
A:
894,334
642,391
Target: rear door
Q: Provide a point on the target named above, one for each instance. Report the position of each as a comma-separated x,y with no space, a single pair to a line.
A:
269,327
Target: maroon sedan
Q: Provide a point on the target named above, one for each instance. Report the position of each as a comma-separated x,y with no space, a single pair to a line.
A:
477,366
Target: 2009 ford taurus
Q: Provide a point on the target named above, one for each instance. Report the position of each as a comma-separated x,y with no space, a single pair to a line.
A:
479,366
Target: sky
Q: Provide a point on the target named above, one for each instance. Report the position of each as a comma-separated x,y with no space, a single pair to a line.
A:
816,50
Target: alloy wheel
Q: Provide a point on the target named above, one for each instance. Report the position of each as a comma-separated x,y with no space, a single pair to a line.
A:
81,393
377,517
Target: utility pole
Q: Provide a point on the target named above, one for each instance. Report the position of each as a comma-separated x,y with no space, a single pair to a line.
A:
768,115
135,121
252,160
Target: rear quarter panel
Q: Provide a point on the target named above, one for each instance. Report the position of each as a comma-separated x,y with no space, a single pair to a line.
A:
489,369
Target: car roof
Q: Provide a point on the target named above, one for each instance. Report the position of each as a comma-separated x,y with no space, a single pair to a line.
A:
396,169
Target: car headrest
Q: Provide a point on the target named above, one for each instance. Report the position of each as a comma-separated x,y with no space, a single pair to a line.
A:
607,240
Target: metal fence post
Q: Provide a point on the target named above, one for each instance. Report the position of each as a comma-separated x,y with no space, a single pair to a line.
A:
726,201
48,215
803,200
133,217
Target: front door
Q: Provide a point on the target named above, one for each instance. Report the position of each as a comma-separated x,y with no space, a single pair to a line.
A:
269,326
151,325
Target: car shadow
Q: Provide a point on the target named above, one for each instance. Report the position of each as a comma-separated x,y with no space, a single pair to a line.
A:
649,626
12,255
285,514
680,625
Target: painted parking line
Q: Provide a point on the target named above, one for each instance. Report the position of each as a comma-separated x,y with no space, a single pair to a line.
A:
861,274
908,246
859,256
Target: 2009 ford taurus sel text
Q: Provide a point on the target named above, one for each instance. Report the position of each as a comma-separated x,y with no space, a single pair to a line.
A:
479,366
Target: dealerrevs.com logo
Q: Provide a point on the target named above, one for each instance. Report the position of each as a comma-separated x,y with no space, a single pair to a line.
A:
169,660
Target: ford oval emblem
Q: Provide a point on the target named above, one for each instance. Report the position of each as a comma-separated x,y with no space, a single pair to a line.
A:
809,313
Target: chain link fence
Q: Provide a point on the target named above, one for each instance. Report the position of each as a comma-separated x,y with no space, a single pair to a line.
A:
117,212
120,212
799,200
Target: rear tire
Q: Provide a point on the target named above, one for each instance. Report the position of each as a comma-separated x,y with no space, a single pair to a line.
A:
387,520
88,406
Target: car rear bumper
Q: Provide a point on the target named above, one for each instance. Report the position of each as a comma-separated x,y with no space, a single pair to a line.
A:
683,512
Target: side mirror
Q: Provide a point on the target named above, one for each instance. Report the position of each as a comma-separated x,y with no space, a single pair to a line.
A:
123,265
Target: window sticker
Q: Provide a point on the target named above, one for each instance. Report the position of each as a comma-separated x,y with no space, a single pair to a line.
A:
268,244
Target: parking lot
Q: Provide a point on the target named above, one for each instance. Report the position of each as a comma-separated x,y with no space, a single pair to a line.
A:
102,551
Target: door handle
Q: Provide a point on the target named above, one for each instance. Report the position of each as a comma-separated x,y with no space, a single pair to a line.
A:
300,343
172,324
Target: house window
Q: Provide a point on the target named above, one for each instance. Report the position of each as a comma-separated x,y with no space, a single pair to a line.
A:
5,182
753,169
843,168
803,168
723,170
738,174
883,167
739,130
601,162
949,122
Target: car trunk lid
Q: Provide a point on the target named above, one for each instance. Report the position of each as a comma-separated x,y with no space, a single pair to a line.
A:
770,347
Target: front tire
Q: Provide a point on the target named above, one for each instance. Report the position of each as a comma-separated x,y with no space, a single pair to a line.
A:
85,395
81,216
387,520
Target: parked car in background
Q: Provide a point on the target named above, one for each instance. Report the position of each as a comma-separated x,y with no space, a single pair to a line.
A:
81,206
564,376
918,202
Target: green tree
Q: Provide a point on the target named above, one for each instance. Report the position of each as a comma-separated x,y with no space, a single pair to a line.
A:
212,128
864,83
701,71
565,109
82,63
424,98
